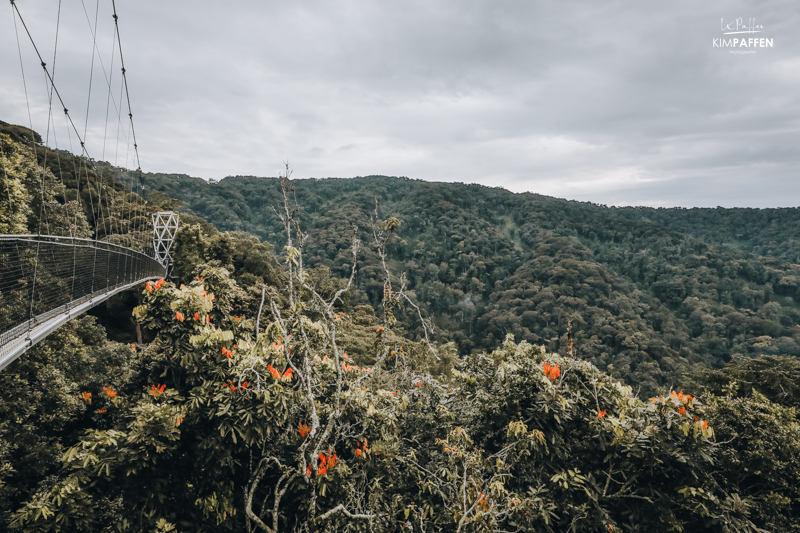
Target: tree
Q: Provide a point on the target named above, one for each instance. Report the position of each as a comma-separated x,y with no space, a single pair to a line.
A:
14,199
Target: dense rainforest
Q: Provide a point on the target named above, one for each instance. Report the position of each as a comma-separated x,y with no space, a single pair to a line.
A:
649,298
384,354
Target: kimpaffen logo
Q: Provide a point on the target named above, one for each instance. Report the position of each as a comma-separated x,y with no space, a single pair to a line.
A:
744,42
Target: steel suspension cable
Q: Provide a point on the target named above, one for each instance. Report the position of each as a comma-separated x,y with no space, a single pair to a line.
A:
110,95
125,79
78,172
107,75
51,120
33,144
110,224
47,72
91,69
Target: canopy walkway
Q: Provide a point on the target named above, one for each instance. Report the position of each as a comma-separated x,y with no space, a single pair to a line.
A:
47,280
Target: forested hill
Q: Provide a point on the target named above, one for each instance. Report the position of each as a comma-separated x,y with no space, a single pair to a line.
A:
767,232
646,301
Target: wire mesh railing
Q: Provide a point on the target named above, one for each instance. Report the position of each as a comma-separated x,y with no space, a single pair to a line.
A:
45,280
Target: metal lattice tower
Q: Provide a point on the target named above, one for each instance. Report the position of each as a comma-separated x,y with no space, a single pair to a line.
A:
165,225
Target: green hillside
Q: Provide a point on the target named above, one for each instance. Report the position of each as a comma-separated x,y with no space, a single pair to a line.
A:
646,301
767,232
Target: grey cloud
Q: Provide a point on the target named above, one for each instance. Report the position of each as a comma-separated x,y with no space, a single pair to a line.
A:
614,102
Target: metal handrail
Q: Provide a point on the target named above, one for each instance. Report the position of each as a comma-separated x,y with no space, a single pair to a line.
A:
30,311
92,242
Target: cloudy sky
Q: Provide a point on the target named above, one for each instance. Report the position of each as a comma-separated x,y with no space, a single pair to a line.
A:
615,102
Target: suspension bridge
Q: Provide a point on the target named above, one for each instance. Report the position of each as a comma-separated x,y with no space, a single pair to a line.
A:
74,233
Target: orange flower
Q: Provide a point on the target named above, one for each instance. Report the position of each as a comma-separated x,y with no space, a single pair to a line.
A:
227,353
325,462
87,396
109,392
304,429
208,319
178,421
682,410
101,411
358,452
551,372
308,471
600,413
148,287
159,283
705,424
275,373
199,278
196,317
178,316
156,391
244,385
288,374
133,346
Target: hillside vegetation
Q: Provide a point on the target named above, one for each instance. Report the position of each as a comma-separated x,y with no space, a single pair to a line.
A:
647,302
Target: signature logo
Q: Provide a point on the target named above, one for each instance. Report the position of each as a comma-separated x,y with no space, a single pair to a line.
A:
741,26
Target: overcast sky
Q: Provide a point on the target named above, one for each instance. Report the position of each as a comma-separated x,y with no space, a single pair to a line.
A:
615,102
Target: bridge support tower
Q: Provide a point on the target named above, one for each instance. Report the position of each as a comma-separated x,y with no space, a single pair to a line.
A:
165,226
